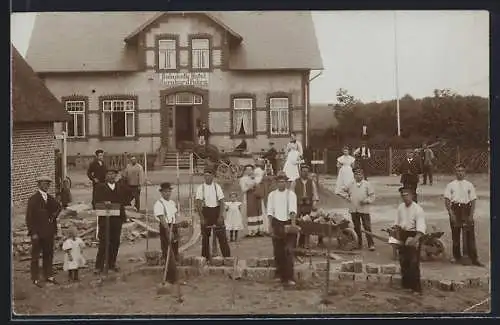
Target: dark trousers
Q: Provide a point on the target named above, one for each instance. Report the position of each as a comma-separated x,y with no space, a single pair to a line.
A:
135,192
357,220
93,195
409,260
413,187
166,240
363,164
210,216
46,247
427,172
73,275
283,248
303,210
465,221
115,231
274,165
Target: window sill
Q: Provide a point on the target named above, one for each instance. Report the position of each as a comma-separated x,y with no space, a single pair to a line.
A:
77,139
246,136
168,70
118,138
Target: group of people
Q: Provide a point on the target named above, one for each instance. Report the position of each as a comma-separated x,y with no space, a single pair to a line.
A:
261,211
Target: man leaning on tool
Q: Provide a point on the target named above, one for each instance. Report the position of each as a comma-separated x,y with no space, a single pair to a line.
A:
209,203
460,200
41,220
108,193
282,210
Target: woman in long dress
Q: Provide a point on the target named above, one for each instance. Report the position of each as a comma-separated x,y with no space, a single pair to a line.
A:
291,167
252,203
345,176
261,181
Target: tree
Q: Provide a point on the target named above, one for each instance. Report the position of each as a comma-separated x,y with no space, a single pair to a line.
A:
344,99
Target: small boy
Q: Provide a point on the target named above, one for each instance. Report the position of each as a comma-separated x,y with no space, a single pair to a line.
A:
361,194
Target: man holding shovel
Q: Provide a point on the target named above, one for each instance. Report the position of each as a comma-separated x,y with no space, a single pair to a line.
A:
165,210
209,202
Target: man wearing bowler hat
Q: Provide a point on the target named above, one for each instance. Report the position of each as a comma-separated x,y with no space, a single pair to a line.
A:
41,220
209,202
109,193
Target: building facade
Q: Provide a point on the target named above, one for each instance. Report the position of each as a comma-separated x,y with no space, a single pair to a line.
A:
146,81
34,112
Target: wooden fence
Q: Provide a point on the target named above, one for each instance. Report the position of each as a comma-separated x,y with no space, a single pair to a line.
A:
386,161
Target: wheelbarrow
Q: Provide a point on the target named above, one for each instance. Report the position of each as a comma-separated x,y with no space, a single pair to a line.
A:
432,246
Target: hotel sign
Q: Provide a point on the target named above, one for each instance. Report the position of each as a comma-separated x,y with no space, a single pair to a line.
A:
196,79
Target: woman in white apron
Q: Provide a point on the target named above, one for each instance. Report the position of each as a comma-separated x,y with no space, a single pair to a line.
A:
345,176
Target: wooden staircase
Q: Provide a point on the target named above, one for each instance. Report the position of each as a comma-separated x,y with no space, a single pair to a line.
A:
170,160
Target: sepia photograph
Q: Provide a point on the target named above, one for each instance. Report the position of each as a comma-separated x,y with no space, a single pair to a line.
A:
250,163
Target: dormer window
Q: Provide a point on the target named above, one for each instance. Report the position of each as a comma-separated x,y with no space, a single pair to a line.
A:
167,54
200,53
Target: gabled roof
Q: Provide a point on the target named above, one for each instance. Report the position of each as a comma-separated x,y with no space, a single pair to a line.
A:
94,41
146,24
31,100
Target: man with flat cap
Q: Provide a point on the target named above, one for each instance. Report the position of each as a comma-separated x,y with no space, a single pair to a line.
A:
209,202
411,226
111,195
41,220
282,212
165,210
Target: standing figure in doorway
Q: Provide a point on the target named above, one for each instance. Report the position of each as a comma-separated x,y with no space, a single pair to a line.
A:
203,134
345,175
97,172
41,221
409,169
460,200
210,203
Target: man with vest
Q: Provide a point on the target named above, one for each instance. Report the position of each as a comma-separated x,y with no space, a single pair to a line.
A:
306,191
362,155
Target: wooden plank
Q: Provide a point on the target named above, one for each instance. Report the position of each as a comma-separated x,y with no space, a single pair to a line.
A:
145,226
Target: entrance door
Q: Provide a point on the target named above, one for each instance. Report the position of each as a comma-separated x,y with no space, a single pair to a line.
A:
184,130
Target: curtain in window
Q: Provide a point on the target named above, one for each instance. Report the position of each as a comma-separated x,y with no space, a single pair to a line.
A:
243,122
129,130
79,125
107,124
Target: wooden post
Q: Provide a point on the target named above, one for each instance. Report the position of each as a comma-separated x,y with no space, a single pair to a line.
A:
390,161
325,163
64,156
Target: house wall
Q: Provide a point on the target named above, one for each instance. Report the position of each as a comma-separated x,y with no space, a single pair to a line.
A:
32,156
147,85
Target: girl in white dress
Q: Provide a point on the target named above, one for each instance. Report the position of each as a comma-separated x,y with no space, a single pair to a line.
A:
234,219
73,259
346,176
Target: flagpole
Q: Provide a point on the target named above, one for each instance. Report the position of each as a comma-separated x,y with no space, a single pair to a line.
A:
396,73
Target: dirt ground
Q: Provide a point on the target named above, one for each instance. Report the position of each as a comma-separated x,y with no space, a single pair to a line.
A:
137,294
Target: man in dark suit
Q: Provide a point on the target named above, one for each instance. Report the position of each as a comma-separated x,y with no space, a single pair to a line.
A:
109,193
97,172
41,220
409,169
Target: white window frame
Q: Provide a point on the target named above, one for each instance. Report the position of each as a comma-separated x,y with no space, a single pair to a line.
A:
76,113
200,55
170,63
175,99
127,106
282,112
239,108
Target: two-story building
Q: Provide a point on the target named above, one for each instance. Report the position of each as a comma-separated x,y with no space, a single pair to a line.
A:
144,81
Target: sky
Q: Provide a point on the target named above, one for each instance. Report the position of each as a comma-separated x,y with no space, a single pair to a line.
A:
435,49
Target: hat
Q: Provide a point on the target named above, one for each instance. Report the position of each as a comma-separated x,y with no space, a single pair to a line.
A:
208,170
113,170
304,166
165,186
43,178
281,176
405,189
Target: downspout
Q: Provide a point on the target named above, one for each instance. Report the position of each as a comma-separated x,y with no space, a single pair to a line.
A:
307,107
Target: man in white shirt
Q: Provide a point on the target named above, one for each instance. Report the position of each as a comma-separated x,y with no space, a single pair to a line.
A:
165,210
410,222
209,202
360,194
460,201
282,212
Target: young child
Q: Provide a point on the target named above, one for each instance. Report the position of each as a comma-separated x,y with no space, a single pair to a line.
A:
73,259
234,220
